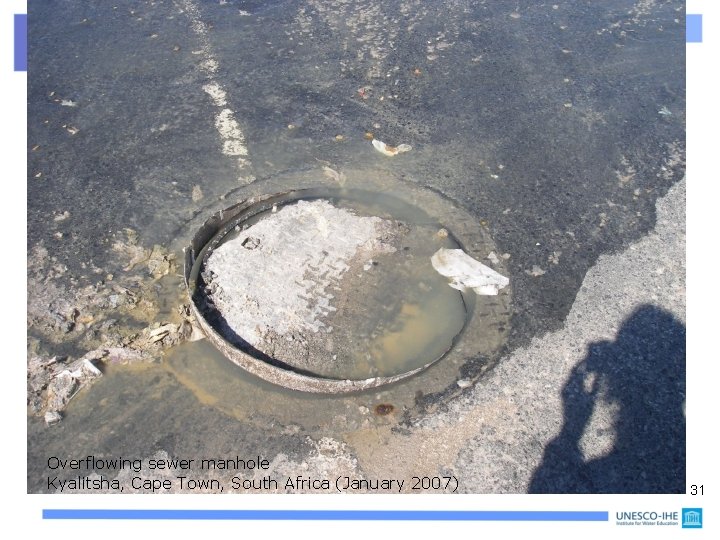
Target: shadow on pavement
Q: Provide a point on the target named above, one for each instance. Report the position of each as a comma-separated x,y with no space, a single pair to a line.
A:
642,373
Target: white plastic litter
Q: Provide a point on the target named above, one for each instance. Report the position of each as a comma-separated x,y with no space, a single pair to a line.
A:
390,150
467,273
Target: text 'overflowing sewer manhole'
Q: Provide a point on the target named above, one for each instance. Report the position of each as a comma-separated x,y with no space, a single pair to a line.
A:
326,290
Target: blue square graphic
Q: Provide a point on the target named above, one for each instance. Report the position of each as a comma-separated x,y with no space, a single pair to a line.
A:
692,518
20,42
693,28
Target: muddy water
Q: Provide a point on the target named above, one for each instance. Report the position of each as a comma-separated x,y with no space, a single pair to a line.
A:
193,401
408,316
196,376
388,315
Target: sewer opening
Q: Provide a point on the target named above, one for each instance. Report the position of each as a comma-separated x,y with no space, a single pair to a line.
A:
333,286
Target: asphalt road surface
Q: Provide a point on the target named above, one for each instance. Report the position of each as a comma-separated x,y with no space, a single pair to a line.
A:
559,126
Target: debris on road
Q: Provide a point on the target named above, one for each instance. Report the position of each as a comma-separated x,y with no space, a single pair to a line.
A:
390,150
467,273
536,271
334,175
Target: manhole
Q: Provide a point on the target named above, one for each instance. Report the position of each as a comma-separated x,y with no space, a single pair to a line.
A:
325,290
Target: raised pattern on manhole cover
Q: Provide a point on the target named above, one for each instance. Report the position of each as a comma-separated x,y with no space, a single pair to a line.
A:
371,314
334,293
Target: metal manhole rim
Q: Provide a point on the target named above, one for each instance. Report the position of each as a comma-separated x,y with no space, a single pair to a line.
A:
209,234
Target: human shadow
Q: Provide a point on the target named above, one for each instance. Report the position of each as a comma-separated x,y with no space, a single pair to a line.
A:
642,373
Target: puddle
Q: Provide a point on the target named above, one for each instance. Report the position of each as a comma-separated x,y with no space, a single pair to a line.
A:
422,325
206,379
298,284
144,407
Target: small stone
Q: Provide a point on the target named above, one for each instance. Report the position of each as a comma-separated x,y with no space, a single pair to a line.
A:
384,409
160,263
536,271
464,383
161,332
52,417
60,390
250,243
89,371
35,405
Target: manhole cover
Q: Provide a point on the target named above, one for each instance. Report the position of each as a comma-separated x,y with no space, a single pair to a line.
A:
325,290
332,290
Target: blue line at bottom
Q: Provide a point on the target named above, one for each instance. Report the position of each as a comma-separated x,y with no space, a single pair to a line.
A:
326,515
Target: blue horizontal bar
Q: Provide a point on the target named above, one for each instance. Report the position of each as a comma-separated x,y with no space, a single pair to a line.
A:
693,28
21,42
326,515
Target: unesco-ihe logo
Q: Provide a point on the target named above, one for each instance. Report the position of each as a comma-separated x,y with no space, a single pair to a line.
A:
653,519
692,518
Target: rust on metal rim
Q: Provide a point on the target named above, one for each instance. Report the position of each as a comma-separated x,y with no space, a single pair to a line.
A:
208,236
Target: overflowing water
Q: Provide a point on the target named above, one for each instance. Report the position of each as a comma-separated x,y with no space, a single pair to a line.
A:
387,314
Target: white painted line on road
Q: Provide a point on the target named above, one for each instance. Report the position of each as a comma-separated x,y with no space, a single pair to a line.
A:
233,139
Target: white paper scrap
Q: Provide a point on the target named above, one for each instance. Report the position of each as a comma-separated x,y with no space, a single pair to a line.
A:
390,150
467,273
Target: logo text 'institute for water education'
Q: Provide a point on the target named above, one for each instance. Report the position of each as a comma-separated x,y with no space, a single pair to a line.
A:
689,518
